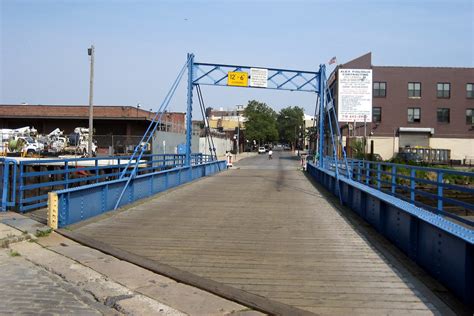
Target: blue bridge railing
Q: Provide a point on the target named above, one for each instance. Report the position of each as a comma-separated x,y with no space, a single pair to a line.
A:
384,195
446,192
27,182
8,180
69,206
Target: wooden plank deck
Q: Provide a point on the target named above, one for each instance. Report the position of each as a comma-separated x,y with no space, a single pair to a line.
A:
265,229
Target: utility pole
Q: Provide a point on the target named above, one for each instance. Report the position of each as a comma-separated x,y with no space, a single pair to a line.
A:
238,133
90,52
296,141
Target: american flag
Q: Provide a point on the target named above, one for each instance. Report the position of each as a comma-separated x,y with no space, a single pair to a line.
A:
332,60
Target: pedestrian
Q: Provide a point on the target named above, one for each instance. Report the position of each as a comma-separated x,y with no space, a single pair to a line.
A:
228,156
270,153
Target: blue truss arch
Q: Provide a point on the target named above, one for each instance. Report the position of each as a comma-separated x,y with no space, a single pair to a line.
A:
279,79
266,78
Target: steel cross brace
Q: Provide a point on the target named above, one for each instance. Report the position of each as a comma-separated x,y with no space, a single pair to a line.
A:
279,79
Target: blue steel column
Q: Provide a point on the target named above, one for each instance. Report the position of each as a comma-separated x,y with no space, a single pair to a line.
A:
322,101
6,166
189,110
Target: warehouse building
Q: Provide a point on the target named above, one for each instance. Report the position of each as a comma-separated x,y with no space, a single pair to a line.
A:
118,120
115,126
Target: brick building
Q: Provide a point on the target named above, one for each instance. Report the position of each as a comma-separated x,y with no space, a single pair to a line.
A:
117,120
125,123
418,106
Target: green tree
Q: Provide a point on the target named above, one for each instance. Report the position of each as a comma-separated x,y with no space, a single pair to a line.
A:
357,147
261,122
290,123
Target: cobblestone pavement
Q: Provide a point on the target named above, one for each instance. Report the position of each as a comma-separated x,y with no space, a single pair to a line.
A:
30,290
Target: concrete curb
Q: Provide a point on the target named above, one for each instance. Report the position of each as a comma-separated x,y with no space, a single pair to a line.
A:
10,235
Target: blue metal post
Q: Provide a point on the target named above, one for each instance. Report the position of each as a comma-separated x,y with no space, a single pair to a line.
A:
439,180
13,185
21,193
6,166
97,170
322,97
394,179
412,185
379,176
360,168
368,173
189,110
66,174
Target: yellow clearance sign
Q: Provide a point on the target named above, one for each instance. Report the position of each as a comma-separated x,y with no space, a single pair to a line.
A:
237,78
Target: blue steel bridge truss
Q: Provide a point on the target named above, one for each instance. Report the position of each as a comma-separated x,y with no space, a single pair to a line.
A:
218,75
279,79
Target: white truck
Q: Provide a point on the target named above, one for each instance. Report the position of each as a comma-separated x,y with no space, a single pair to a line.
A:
78,142
26,141
21,140
54,142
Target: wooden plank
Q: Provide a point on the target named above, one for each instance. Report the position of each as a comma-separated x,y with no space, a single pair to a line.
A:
248,299
266,230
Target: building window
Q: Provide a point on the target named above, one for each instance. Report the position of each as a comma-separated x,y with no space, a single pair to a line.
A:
470,116
443,90
376,114
414,90
470,90
380,89
443,115
414,115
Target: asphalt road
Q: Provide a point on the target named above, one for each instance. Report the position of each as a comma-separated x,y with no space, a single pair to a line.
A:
282,160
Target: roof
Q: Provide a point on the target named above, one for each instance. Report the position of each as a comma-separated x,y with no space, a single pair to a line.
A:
365,62
75,112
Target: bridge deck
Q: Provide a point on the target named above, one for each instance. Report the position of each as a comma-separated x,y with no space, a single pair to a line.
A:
265,229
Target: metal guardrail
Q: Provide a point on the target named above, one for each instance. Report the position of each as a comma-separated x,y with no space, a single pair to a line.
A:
69,206
26,183
445,192
441,246
8,175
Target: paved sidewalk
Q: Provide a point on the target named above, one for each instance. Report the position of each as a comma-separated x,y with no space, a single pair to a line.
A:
236,158
30,290
53,275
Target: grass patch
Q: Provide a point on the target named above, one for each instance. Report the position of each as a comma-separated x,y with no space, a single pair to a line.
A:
14,253
43,233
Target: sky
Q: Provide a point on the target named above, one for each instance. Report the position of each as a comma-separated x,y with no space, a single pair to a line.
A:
141,45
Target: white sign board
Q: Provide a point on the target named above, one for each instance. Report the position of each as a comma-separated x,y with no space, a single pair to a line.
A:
258,77
354,96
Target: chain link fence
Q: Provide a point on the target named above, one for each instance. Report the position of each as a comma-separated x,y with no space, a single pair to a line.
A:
116,144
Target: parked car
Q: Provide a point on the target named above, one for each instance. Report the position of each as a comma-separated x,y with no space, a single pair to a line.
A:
261,150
